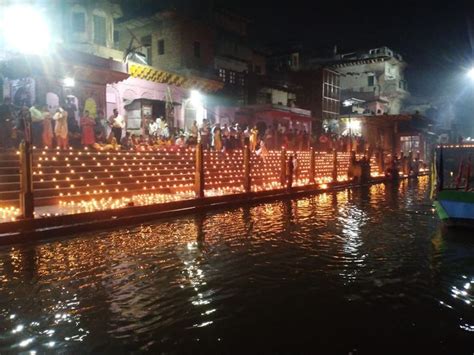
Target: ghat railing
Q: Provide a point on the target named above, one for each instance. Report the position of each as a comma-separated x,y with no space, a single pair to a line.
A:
45,182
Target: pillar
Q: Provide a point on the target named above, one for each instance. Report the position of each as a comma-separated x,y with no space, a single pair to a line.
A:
312,166
27,206
381,161
247,181
403,163
334,166
199,173
409,162
283,167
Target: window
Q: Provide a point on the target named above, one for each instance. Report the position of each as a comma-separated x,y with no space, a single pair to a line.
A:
242,79
100,34
78,22
197,49
222,74
295,60
161,47
232,77
371,80
116,36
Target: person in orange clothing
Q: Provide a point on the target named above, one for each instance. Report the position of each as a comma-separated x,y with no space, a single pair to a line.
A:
48,134
87,126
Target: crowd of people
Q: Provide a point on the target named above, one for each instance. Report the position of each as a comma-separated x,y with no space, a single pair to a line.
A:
341,143
62,129
219,138
59,128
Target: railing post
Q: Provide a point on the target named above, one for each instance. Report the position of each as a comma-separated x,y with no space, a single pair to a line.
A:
27,205
403,162
199,173
334,166
381,161
247,181
409,162
312,166
283,167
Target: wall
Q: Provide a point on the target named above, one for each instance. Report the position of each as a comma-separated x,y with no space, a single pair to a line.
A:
278,97
389,82
355,77
84,41
179,35
320,93
128,90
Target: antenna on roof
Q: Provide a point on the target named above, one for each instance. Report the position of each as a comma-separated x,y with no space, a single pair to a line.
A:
132,51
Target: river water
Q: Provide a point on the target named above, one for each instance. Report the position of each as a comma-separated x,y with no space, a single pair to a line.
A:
359,271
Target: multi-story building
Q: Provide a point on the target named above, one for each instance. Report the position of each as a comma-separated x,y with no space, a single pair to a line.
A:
239,66
317,85
89,27
170,54
376,77
207,53
319,92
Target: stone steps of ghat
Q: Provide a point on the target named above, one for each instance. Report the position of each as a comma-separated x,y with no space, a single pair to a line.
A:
61,170
7,178
91,191
116,173
79,189
79,175
73,186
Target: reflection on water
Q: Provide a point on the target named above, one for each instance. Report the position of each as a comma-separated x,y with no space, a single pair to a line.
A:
341,271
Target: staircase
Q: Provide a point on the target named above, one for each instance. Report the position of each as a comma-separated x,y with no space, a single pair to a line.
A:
61,177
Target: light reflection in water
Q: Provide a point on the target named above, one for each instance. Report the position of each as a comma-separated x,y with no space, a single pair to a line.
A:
204,281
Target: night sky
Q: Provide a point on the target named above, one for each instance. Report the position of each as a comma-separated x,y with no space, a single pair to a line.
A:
435,41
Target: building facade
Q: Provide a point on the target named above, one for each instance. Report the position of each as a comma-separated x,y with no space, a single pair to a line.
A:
317,86
170,55
377,77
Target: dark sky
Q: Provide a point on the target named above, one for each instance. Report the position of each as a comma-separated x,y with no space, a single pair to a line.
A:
434,40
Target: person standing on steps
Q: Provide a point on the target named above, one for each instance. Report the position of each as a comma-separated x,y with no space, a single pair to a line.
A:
61,128
87,126
7,120
117,123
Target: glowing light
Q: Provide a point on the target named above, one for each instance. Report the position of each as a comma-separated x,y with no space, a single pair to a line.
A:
470,73
25,29
69,82
354,125
196,98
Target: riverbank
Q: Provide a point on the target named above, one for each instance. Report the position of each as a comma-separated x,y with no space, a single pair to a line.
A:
24,231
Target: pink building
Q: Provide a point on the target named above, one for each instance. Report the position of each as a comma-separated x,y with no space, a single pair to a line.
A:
150,93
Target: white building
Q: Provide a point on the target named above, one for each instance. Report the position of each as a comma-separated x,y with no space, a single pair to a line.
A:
377,77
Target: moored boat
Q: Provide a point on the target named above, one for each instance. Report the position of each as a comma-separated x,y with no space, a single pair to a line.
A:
453,195
455,208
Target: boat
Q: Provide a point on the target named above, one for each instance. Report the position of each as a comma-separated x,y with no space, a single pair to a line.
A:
452,193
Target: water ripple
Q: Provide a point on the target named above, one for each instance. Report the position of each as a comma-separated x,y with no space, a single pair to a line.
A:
369,263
